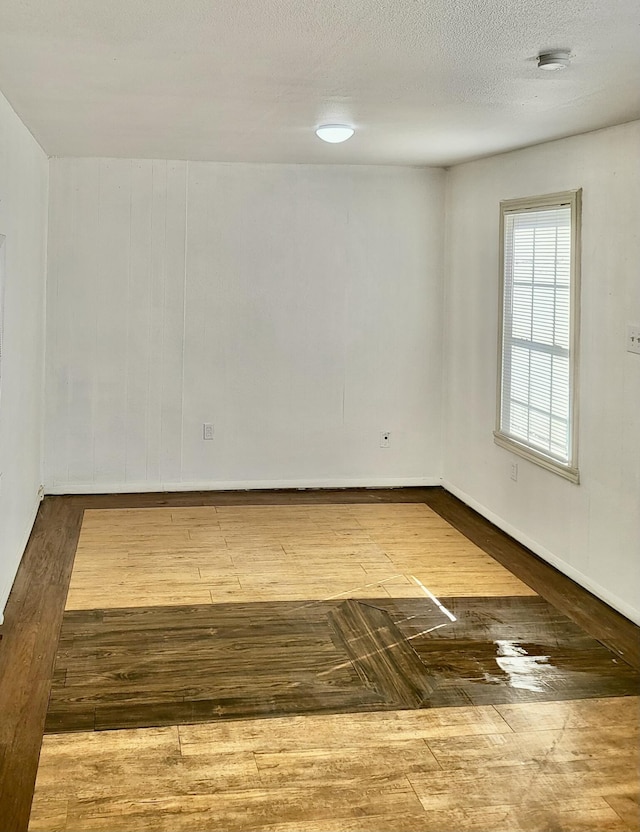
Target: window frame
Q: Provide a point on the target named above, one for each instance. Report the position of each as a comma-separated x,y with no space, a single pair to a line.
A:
572,198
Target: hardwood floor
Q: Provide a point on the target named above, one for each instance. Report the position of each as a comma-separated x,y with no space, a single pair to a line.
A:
568,764
33,616
593,615
151,666
549,766
160,556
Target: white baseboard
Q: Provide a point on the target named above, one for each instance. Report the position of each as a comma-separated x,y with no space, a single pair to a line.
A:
236,485
6,590
579,577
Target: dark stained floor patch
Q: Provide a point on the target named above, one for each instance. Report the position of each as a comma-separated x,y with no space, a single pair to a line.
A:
140,667
383,658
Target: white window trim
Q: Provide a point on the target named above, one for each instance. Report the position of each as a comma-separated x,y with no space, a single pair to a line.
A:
574,199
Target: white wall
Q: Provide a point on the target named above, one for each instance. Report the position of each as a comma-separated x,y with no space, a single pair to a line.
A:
23,221
590,531
298,308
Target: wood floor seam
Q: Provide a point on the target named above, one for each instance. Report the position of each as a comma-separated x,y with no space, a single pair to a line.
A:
503,720
440,766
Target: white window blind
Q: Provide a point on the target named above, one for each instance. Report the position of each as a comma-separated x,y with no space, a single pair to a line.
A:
536,400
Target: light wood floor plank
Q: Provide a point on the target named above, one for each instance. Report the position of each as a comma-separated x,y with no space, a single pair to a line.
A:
228,811
340,730
378,762
559,745
345,772
575,816
535,782
161,556
583,713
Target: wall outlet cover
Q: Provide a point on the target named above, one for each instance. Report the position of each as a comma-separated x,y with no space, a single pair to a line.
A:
633,339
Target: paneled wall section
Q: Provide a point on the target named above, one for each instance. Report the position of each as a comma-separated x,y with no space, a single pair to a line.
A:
297,308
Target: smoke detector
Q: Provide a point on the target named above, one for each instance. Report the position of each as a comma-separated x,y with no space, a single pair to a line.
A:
552,61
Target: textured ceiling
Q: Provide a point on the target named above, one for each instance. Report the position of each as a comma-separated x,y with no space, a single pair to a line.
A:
430,82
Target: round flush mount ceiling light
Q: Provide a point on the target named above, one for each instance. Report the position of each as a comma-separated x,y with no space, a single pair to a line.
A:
334,133
552,61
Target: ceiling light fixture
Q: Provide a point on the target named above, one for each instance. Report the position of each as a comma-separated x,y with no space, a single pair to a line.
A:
552,61
334,133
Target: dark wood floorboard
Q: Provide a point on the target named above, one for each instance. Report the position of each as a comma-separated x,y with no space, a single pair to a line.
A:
33,616
593,615
381,655
137,668
266,497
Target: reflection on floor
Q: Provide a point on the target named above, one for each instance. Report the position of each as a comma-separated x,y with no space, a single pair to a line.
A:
354,629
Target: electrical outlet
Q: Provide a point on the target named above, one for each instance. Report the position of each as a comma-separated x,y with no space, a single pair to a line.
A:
514,471
385,439
633,339
207,430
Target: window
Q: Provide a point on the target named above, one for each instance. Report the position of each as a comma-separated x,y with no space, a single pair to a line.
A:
539,306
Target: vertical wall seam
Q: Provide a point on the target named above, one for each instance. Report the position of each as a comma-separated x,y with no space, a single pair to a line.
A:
444,314
184,312
161,455
128,324
43,368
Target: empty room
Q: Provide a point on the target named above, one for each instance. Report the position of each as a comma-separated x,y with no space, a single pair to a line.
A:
319,416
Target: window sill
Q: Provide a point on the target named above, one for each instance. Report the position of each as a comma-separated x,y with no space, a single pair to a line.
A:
566,471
